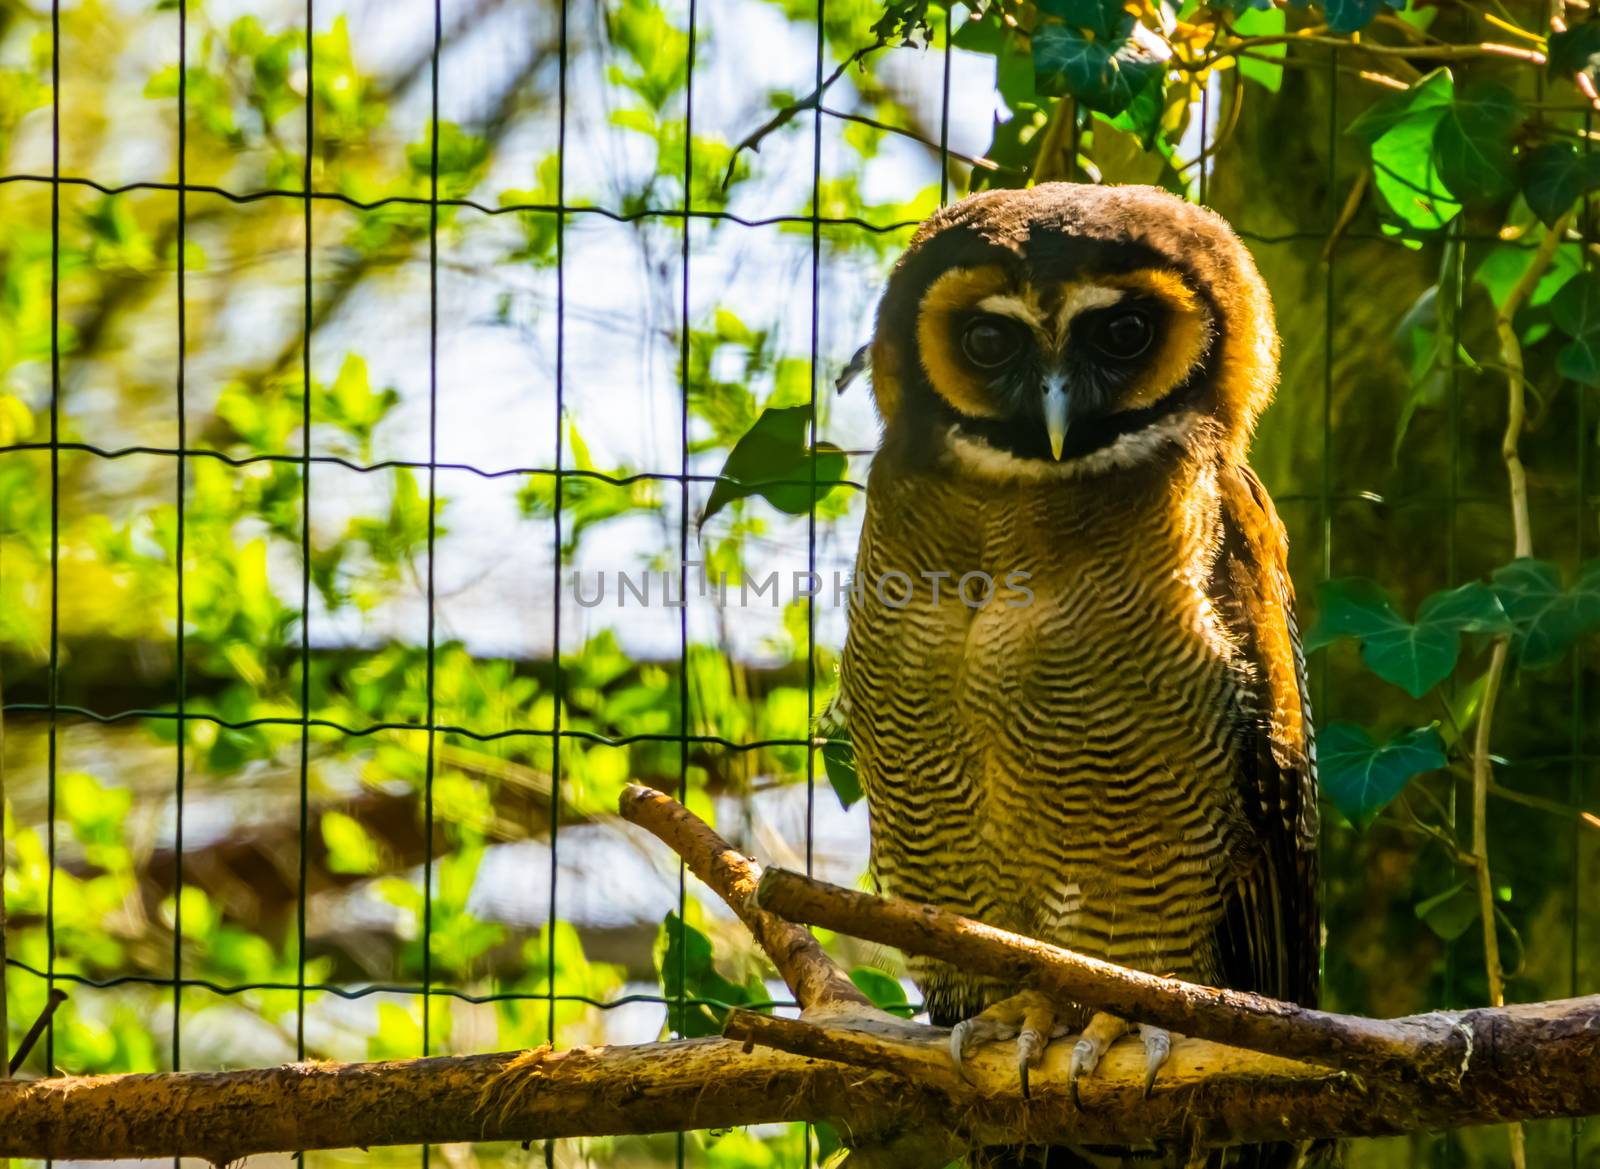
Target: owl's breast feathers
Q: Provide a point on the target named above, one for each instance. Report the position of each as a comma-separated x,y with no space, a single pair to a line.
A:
1115,755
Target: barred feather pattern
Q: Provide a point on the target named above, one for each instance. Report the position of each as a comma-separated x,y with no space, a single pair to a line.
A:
1083,767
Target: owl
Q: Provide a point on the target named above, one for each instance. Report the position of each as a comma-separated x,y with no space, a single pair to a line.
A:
1072,676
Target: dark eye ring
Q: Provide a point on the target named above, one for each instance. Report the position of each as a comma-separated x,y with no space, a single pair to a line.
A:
1124,335
990,342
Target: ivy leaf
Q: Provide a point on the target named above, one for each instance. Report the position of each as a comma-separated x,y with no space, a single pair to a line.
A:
1361,778
1577,50
772,460
1414,656
1546,618
1107,19
886,993
1354,15
1101,77
1451,913
1427,98
1575,309
1556,176
1401,132
1472,143
1143,116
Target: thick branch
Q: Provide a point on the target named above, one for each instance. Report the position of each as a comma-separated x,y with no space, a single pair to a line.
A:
1433,1048
1528,1062
887,1084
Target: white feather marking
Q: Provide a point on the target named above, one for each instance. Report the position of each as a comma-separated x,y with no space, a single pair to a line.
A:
1128,450
1003,305
1082,297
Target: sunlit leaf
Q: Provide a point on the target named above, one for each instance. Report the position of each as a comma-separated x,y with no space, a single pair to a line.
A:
886,993
1260,18
1106,19
773,460
684,965
839,760
1103,74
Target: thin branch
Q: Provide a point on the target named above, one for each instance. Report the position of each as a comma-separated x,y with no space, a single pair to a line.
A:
977,161
1522,538
812,977
752,141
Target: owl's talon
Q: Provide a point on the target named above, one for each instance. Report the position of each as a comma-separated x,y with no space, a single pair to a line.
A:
958,1045
1030,1050
1103,1030
967,1035
1027,1017
1157,1047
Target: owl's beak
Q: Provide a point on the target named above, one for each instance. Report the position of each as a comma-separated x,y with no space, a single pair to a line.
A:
1055,412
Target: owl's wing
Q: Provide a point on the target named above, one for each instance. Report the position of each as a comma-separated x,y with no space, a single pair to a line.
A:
1271,931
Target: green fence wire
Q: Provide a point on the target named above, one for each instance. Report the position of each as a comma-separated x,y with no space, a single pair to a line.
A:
1324,502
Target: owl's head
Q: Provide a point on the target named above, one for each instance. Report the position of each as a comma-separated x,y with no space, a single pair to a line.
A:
1072,330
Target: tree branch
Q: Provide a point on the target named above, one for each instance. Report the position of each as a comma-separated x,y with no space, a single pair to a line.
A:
1528,1062
1522,542
887,1084
811,976
1435,1047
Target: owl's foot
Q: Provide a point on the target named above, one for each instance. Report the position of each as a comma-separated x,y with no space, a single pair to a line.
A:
1027,1017
1104,1030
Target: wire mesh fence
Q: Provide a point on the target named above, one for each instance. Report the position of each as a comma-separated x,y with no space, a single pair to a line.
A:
293,684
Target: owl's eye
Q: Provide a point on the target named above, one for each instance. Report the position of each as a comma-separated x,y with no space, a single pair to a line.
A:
1123,335
990,343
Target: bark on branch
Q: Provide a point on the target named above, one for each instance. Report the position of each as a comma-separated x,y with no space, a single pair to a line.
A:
888,1085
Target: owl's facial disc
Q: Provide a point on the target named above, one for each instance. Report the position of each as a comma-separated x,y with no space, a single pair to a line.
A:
1056,370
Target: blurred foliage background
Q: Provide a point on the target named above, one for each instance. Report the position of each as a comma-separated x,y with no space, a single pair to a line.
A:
308,708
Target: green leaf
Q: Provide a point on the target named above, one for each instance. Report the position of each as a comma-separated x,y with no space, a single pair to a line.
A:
1360,777
1575,51
351,848
1262,20
683,961
1143,116
1556,176
1401,132
1546,618
1100,74
772,460
1107,19
839,761
886,993
1472,143
1427,98
1415,657
1575,309
1451,913
1354,15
